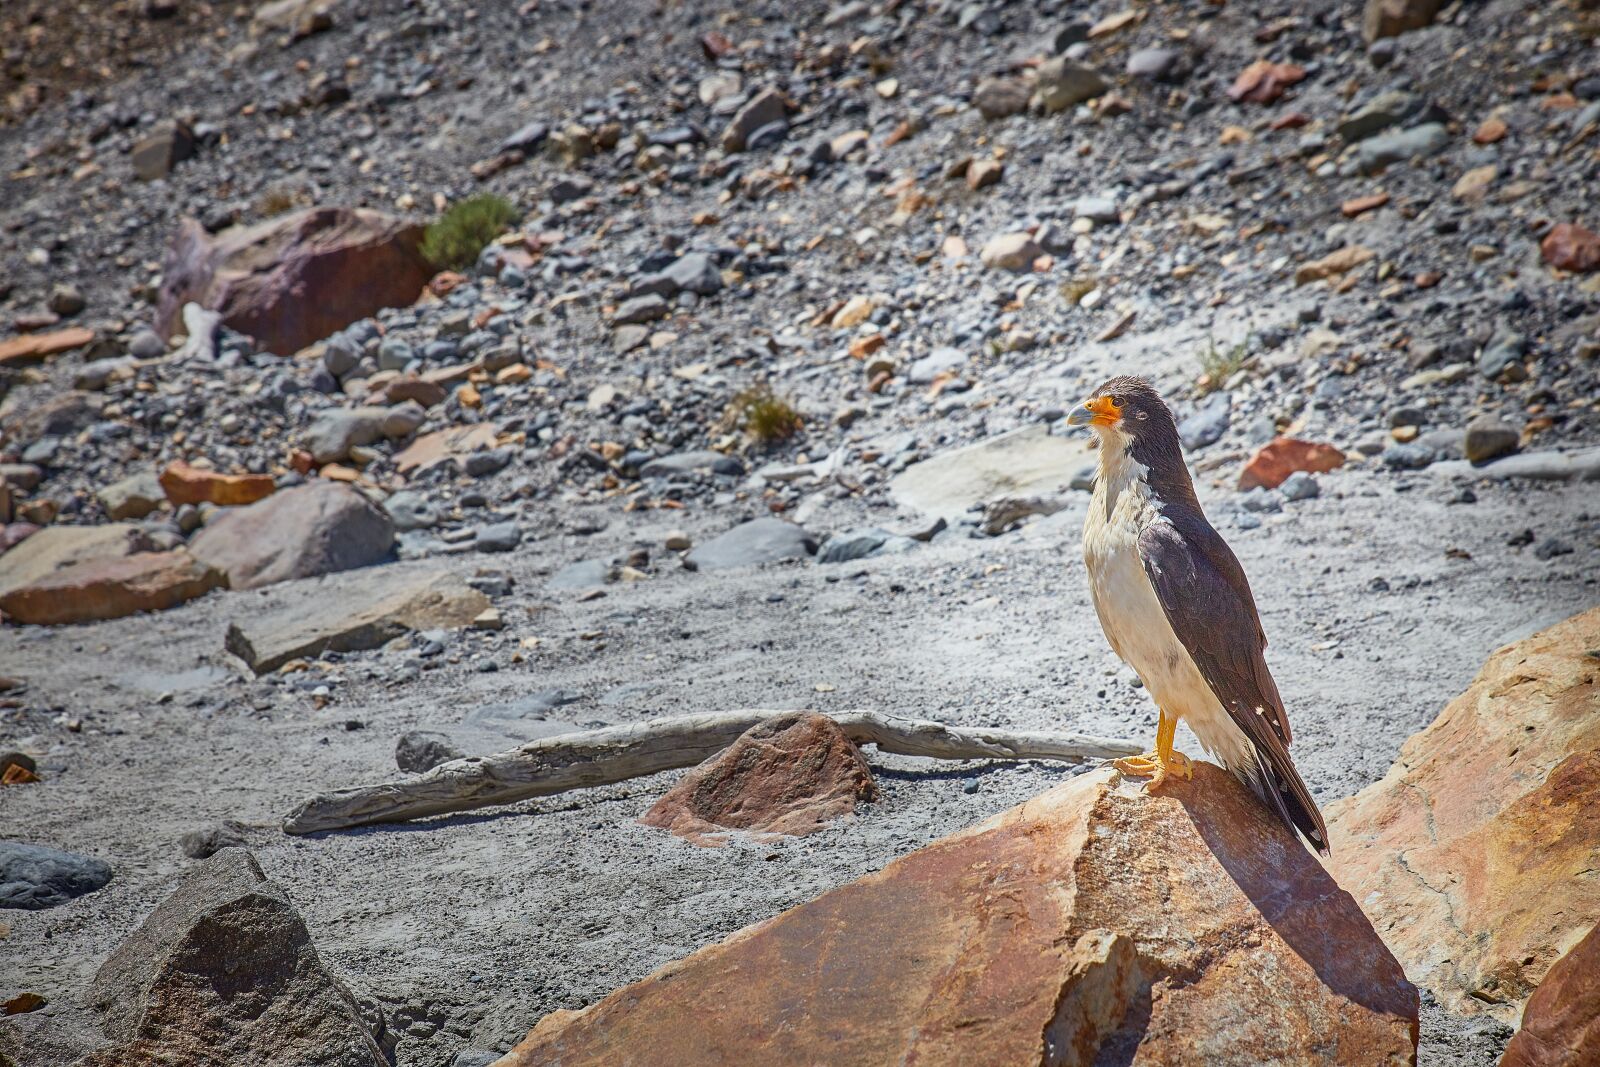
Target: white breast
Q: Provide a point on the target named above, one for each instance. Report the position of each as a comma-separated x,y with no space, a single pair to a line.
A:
1132,617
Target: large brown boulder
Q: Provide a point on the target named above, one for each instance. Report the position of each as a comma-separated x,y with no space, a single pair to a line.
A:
296,279
1561,1024
793,774
224,972
1465,853
111,588
1094,921
302,532
57,547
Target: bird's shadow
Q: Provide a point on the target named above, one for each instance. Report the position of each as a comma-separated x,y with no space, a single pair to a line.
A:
1320,922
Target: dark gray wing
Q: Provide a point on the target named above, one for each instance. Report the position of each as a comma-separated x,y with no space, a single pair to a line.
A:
1207,601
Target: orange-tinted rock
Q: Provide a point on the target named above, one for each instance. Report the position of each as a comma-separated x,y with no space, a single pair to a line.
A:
33,347
1282,456
1569,246
1561,1024
793,774
437,447
295,279
111,588
184,484
1093,921
1262,82
43,552
1466,853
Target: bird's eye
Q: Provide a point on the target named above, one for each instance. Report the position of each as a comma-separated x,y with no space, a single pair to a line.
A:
1117,400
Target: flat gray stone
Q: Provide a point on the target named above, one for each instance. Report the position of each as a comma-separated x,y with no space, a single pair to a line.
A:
1021,463
33,877
1581,465
349,613
758,541
309,530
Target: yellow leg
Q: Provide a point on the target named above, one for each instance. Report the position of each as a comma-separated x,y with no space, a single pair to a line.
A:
1160,763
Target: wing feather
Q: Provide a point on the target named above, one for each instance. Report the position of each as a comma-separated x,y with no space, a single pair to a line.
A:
1206,598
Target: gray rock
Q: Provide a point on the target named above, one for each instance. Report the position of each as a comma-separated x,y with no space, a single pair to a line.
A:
570,187
395,354
144,344
308,530
498,537
133,497
207,842
763,109
696,273
1409,457
527,138
1097,208
481,464
584,574
1488,439
765,540
334,432
1155,64
224,971
423,750
682,463
1384,110
863,544
1502,357
100,373
1261,501
33,877
1062,84
647,308
474,1058
1300,486
1206,425
935,363
349,613
1581,465
999,98
1376,153
411,510
340,355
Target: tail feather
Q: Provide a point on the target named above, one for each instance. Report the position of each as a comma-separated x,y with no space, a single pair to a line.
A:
1278,783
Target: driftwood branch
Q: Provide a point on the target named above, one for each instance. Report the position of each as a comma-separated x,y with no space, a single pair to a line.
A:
618,753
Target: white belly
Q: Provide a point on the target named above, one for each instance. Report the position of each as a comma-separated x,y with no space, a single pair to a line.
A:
1137,627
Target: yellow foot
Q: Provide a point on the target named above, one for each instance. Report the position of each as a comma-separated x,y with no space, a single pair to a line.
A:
1151,766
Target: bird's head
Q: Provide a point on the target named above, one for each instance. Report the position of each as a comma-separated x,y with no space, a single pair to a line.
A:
1124,407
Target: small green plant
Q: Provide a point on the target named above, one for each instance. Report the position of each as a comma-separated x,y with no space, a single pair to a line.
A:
454,239
765,415
1218,365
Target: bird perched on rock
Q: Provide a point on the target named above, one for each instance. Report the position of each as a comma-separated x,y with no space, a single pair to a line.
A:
1176,607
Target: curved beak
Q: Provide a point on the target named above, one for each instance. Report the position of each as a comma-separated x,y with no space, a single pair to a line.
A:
1098,411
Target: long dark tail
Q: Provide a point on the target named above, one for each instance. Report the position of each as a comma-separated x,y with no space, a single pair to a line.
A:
1279,784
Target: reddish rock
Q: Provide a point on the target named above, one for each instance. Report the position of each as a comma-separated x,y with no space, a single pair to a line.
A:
1569,246
1561,1024
434,448
1464,854
111,588
35,347
1094,921
793,774
1282,456
1263,82
295,279
312,529
184,484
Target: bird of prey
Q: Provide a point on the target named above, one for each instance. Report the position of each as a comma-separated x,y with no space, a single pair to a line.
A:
1175,606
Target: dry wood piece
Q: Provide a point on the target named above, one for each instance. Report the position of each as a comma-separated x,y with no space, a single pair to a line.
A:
618,753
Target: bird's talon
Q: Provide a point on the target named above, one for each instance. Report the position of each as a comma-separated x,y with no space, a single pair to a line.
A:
1144,766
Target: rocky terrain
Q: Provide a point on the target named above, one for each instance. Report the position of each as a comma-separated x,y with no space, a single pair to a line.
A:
753,400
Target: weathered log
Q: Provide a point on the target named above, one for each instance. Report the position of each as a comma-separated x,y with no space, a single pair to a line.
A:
617,753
